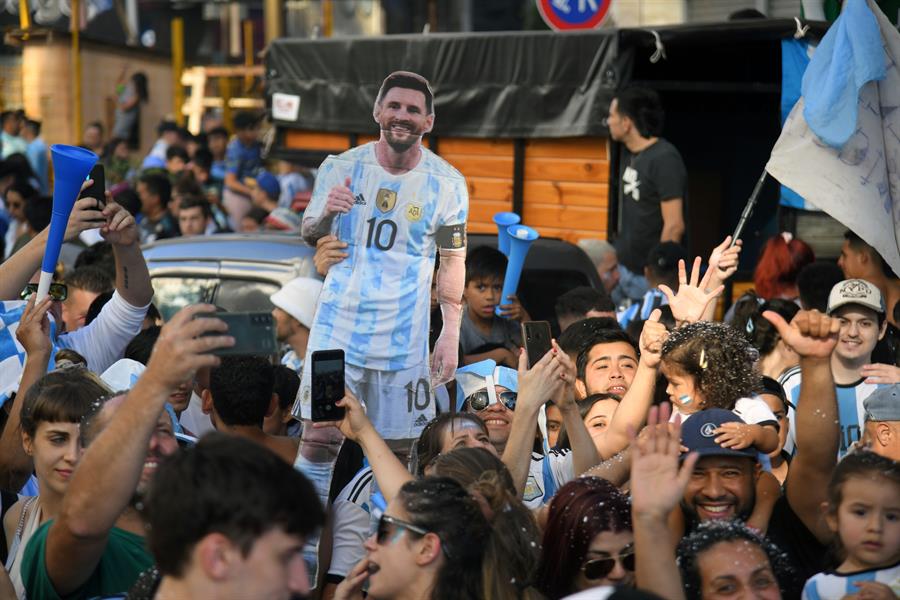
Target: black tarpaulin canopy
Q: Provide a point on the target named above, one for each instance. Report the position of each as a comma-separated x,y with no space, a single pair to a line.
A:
532,84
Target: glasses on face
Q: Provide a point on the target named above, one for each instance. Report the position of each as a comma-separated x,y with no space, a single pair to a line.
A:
58,291
480,400
599,568
387,525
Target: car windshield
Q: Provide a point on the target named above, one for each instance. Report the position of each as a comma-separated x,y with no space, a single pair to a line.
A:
233,295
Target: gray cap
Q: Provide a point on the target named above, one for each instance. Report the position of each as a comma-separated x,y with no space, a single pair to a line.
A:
883,404
855,291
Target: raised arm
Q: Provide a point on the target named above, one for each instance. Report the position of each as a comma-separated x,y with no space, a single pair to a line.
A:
632,410
339,201
132,275
451,278
584,452
615,470
813,336
34,335
657,485
690,303
388,470
108,475
536,386
19,268
723,263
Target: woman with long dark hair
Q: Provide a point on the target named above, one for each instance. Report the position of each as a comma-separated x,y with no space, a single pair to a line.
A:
588,541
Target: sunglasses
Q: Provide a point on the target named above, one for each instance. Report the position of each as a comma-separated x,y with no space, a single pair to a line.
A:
480,400
58,291
387,525
601,567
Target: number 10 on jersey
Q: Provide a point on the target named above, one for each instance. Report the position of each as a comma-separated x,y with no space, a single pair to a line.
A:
376,233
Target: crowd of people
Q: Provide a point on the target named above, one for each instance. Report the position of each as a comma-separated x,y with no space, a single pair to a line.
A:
213,182
661,447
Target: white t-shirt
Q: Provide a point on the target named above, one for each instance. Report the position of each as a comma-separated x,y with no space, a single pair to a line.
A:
375,304
753,411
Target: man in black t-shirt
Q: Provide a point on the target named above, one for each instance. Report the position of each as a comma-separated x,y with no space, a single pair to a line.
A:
652,184
723,483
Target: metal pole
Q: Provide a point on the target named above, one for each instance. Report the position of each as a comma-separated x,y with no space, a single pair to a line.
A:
75,21
327,18
248,54
178,68
748,208
225,93
274,19
24,18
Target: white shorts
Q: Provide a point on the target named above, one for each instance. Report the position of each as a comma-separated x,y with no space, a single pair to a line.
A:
399,403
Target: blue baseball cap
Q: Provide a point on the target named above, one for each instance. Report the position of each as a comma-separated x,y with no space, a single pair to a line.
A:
698,434
268,183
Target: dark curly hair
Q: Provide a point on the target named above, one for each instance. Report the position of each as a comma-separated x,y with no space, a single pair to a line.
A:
749,320
709,534
719,359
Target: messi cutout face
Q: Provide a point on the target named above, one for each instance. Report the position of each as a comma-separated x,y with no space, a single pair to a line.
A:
402,118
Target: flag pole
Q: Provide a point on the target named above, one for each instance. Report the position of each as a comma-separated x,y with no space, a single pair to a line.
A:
748,208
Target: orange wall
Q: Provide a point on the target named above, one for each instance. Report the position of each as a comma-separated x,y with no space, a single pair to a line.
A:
565,191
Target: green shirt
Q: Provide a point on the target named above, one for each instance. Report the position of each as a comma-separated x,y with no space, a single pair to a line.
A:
124,558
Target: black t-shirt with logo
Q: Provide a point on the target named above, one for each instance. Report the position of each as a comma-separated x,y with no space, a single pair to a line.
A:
648,178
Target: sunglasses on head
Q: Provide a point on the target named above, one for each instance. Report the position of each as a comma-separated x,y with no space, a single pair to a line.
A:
388,525
599,568
480,400
58,291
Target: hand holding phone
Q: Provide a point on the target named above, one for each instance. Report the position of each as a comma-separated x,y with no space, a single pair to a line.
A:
327,385
253,333
536,337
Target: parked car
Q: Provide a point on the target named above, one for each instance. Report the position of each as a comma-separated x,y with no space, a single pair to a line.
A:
239,272
235,271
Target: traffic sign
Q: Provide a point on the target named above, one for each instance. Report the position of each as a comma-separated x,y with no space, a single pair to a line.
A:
573,14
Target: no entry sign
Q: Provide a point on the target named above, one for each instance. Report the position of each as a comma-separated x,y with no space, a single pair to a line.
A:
573,14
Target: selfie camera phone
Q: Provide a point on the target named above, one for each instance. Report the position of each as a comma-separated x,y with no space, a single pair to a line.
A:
536,335
327,385
98,187
253,333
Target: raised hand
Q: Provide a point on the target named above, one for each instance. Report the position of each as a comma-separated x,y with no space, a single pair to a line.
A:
723,262
539,383
182,348
351,587
355,421
689,304
34,327
340,199
653,335
565,394
329,252
811,334
657,480
880,373
120,228
86,214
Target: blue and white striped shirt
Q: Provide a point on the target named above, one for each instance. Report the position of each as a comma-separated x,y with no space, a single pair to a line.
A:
835,586
375,304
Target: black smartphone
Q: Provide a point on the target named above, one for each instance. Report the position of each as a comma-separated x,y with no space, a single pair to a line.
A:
98,187
536,336
253,333
327,385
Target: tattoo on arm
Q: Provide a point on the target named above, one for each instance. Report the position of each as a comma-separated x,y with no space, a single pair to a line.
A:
125,277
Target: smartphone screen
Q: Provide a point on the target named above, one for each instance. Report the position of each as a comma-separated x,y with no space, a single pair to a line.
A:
536,336
98,187
327,386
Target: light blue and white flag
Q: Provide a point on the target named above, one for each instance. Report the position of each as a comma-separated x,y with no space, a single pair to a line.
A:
840,147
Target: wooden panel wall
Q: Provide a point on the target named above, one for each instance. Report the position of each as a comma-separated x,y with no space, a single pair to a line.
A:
565,187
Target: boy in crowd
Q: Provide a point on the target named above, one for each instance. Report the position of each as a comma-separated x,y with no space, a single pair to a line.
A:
217,138
155,191
582,303
265,191
176,161
242,160
483,335
195,217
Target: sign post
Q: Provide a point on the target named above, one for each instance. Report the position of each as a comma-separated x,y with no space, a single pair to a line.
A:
567,15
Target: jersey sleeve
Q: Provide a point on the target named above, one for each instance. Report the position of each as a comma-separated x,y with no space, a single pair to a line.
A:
454,207
562,467
327,177
755,411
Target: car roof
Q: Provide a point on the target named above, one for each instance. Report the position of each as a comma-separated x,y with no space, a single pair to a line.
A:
257,247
